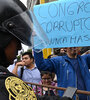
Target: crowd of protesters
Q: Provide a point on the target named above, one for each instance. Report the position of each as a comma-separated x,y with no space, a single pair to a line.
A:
66,66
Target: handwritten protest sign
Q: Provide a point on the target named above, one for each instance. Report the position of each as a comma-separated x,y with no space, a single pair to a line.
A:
65,22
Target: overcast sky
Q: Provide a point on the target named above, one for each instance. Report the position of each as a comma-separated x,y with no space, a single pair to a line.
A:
24,2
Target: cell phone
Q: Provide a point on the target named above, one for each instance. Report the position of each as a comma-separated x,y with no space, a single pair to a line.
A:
70,91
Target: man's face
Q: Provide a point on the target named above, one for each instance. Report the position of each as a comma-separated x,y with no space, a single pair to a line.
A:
73,51
12,50
28,61
62,50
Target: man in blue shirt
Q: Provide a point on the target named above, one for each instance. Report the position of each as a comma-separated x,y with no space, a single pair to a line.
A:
30,72
71,70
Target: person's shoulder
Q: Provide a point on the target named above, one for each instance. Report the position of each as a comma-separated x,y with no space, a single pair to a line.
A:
11,67
86,55
59,58
35,69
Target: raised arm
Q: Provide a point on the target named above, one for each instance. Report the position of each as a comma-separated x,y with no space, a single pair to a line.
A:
44,64
15,70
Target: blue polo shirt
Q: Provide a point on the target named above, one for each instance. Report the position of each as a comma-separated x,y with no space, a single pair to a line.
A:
80,81
30,75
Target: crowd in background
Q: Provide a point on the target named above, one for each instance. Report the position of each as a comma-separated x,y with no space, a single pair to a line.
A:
26,69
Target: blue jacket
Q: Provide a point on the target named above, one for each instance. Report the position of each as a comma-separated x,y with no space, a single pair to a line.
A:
62,66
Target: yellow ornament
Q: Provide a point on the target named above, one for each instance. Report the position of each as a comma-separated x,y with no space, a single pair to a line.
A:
18,89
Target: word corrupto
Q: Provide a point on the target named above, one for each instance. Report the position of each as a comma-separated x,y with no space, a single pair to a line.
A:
67,26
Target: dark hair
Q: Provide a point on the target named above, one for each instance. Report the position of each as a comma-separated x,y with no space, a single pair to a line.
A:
46,72
50,56
28,53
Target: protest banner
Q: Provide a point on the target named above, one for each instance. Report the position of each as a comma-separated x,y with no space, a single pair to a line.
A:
65,22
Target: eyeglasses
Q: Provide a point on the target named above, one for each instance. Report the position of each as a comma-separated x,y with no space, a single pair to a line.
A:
46,79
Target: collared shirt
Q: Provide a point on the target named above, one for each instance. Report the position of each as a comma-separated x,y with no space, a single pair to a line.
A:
30,75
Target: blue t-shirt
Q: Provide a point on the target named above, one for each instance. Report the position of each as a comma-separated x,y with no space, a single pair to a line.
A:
80,80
